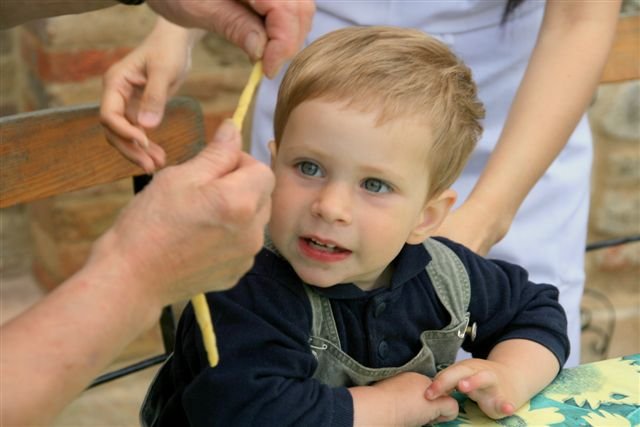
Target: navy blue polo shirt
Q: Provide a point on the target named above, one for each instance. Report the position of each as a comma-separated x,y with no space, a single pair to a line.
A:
263,325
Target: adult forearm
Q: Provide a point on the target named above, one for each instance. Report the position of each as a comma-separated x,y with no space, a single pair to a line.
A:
196,227
556,90
14,12
51,352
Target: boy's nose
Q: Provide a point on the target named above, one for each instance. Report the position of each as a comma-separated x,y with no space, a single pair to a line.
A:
333,204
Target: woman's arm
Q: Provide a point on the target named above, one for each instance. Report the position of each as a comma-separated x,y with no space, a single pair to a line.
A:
563,72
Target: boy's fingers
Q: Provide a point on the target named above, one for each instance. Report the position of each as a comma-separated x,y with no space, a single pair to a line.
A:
447,408
478,381
446,381
507,408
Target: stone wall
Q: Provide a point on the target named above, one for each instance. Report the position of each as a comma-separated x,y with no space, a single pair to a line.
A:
60,61
613,273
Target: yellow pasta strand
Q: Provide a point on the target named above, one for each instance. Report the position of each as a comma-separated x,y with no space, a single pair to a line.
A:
247,95
201,310
199,302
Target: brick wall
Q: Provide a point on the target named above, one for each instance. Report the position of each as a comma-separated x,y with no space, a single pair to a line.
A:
15,245
9,96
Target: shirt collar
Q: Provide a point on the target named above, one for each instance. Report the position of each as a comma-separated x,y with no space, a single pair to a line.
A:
410,262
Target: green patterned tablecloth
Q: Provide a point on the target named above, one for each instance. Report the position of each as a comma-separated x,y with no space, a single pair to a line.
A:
605,393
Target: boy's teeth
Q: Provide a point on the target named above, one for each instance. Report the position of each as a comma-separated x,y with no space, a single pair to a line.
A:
315,242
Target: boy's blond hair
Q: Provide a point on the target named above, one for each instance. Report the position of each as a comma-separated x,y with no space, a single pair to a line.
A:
399,73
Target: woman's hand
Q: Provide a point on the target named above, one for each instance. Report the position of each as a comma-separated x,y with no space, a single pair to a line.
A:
137,87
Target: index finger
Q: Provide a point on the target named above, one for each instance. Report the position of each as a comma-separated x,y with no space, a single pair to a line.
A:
447,380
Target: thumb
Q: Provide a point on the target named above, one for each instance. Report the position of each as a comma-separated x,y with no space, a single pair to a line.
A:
242,27
154,99
221,156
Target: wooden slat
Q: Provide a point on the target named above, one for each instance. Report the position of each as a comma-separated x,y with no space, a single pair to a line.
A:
624,60
59,150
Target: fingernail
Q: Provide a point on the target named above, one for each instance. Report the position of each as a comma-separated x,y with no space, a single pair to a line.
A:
253,45
276,71
225,132
144,144
148,118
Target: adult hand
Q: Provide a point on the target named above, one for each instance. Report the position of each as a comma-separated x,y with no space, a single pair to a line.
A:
137,87
196,227
271,30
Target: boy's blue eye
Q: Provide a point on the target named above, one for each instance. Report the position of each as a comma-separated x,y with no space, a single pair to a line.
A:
309,168
376,186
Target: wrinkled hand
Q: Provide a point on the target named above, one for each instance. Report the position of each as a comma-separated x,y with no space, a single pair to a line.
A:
488,383
406,394
271,30
136,90
197,226
474,225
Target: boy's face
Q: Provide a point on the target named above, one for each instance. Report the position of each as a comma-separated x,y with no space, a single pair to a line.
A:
348,193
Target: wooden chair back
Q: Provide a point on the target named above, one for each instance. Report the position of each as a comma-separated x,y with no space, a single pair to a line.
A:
58,150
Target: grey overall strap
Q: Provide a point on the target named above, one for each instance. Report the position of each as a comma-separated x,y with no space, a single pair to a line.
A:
320,307
450,279
323,323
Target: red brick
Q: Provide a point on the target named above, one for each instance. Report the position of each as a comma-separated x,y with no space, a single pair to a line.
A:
68,66
619,258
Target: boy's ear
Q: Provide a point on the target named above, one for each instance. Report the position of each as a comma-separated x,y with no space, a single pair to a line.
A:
273,149
433,213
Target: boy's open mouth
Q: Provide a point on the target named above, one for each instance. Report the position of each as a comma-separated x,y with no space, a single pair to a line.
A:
324,247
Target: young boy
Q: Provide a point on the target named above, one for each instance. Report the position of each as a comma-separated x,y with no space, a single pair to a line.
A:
352,308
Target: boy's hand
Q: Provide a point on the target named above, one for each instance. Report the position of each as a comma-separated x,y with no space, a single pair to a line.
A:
399,401
488,383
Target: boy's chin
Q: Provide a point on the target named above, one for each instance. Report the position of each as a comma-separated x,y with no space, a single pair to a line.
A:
318,280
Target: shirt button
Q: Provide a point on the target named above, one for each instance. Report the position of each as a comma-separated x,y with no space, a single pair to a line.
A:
383,349
380,308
